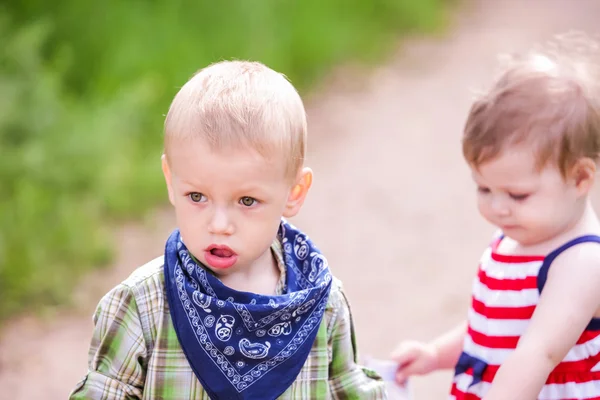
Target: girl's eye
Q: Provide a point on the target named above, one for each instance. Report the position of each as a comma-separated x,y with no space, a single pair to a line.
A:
197,197
483,190
247,201
518,197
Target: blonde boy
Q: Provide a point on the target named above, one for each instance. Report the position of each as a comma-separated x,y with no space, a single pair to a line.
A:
242,305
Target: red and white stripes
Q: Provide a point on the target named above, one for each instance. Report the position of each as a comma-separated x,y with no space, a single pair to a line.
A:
505,293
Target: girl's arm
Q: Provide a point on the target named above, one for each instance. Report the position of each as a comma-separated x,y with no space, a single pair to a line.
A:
418,358
570,298
449,346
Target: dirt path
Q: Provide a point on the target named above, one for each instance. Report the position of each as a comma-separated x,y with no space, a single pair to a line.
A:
392,205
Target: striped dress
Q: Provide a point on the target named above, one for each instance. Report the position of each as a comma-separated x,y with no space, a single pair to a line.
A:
505,293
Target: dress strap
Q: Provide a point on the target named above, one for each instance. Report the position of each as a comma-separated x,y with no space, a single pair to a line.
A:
594,325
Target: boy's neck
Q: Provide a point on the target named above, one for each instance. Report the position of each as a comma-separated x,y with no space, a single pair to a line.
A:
261,277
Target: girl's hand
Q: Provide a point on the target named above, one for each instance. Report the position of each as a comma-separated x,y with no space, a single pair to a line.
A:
415,358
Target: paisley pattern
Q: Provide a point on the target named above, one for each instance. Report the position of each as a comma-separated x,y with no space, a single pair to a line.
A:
233,340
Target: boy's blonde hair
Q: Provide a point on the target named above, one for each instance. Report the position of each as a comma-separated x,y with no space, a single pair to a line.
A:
240,104
546,99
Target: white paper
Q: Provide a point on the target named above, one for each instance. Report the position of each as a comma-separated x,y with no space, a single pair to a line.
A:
387,370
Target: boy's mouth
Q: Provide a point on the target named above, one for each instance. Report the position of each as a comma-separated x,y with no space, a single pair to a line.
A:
221,252
220,256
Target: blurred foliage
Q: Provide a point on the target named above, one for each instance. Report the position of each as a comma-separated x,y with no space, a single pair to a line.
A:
84,87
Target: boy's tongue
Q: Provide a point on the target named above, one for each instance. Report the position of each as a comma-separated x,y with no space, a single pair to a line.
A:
222,252
221,258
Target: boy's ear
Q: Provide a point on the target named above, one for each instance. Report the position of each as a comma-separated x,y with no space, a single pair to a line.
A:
167,173
298,193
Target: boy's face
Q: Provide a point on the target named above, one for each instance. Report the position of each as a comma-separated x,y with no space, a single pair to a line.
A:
529,205
229,203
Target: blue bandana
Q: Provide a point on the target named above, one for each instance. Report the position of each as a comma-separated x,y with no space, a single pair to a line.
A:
242,345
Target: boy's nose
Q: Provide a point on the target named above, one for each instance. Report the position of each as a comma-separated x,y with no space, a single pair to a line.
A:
220,223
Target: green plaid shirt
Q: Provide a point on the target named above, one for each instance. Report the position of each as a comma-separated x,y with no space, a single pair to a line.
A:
135,353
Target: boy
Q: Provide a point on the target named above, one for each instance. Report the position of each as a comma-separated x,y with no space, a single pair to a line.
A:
242,305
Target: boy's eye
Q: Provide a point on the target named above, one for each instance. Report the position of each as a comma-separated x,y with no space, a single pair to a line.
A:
197,197
518,197
247,201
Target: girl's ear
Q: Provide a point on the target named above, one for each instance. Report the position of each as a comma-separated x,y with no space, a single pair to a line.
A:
583,175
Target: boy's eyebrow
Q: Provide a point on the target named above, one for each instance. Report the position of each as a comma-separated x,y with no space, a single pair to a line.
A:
187,182
241,190
253,187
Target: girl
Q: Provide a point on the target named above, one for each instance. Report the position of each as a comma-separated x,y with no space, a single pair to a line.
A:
533,329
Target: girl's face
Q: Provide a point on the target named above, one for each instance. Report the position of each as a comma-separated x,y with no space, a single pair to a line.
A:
529,205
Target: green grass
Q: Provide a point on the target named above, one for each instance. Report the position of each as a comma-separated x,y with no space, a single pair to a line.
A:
84,87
